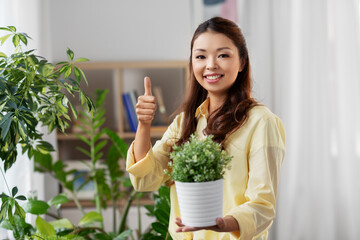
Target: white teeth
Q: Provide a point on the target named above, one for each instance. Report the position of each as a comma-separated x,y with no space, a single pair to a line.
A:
213,77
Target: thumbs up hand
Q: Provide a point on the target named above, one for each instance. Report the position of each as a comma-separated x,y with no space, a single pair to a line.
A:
146,105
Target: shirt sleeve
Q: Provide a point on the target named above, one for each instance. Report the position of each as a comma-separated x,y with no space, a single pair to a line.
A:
266,154
147,174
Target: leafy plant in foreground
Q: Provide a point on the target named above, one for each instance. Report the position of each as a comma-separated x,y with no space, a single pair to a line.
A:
198,160
32,90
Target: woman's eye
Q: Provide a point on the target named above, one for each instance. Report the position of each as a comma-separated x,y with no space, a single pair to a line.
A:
223,55
200,57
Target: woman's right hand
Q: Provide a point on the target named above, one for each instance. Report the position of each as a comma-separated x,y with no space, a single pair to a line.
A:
146,105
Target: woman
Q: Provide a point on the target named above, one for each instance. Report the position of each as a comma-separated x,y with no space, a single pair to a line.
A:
219,103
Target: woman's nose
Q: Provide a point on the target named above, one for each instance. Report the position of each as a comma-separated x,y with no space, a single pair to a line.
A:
211,64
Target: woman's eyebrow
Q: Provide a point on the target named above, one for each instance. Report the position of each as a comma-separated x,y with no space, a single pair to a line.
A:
219,49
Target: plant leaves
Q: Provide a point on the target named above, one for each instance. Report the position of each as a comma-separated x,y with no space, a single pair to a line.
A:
36,207
23,38
16,40
45,147
67,72
58,200
70,54
14,191
12,28
4,210
82,60
77,74
161,215
21,197
6,124
100,146
63,223
124,234
90,217
4,38
19,210
44,227
159,227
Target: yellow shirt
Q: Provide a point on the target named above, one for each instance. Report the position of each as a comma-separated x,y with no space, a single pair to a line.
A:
250,187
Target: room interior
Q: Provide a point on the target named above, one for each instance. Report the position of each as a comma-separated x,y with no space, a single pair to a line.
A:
304,55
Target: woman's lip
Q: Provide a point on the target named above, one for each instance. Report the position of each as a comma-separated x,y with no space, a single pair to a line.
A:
213,80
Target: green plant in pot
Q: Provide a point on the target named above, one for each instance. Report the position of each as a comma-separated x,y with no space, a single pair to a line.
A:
198,167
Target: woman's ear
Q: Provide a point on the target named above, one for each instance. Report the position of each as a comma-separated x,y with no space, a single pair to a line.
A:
242,65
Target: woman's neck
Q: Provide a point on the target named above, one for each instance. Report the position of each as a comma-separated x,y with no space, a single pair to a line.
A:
216,102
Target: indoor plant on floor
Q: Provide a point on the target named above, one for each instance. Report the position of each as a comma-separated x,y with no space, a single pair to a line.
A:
198,167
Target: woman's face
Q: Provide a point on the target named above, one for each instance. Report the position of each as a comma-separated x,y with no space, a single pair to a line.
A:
216,63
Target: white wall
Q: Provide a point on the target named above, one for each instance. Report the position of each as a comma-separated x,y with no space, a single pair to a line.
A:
121,30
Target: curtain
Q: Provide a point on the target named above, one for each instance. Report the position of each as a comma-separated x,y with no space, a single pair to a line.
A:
315,89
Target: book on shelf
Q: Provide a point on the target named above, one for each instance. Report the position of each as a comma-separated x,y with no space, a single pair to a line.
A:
130,111
162,109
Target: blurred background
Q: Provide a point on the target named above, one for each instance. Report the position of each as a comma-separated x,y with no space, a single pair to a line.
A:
305,57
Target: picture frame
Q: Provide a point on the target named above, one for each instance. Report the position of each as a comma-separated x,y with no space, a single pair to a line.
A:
87,192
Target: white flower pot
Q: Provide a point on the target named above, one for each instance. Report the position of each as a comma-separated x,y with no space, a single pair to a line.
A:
200,203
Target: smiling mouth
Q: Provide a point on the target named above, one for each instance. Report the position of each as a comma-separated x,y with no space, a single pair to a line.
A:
213,78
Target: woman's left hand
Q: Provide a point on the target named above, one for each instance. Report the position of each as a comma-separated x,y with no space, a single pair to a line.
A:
224,224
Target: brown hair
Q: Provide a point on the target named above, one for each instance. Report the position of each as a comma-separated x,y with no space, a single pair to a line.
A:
234,112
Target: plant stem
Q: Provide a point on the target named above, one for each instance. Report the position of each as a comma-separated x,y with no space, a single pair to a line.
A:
126,211
53,215
77,203
114,213
87,228
92,151
139,217
3,174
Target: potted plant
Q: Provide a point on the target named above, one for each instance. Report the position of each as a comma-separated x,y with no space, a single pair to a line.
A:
198,167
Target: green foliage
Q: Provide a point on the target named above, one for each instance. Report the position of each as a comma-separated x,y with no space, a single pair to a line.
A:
198,161
32,91
161,211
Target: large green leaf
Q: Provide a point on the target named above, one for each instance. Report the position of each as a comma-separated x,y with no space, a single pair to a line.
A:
70,54
90,217
4,209
19,210
36,207
4,38
5,124
63,223
42,161
162,215
160,228
14,191
16,40
44,227
81,60
58,200
45,147
123,235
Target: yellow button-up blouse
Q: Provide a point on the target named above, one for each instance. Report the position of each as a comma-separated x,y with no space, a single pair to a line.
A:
250,186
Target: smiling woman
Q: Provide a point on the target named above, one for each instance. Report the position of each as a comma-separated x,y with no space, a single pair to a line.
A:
219,103
216,64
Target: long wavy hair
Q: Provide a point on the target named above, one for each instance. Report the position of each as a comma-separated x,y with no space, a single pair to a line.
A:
234,112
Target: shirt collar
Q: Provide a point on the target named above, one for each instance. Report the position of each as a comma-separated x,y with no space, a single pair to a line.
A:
203,109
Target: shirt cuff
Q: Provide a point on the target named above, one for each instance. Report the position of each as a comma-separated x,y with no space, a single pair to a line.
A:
143,166
246,224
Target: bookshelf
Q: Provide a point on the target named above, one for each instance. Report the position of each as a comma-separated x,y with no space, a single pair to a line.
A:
119,77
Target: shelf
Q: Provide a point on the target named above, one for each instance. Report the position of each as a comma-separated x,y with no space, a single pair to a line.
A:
90,203
156,132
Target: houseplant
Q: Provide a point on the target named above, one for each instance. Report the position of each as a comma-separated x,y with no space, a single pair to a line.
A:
32,91
198,167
